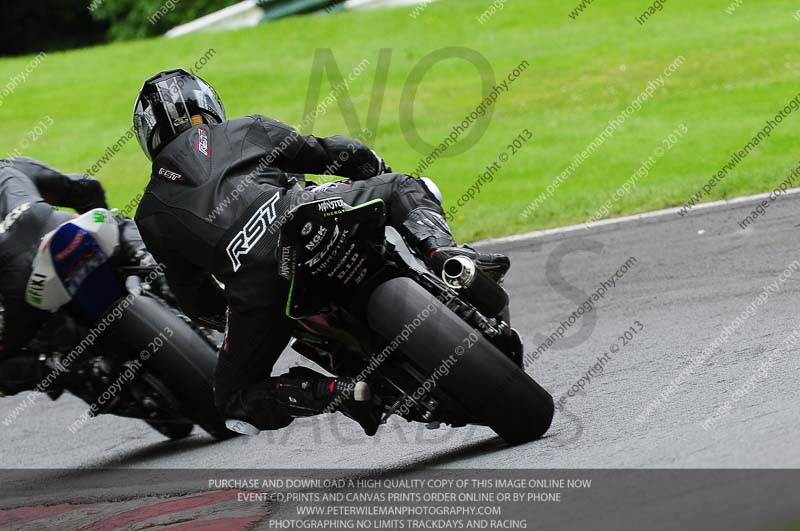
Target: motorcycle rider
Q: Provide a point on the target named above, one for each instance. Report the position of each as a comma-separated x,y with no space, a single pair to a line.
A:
217,187
28,188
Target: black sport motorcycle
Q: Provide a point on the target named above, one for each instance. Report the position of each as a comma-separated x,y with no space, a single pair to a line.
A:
116,339
433,350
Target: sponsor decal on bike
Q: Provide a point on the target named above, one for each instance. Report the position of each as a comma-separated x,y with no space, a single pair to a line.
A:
74,274
36,288
351,258
69,249
332,205
286,263
357,268
345,256
336,237
202,142
336,253
13,216
317,239
170,175
360,277
252,232
307,228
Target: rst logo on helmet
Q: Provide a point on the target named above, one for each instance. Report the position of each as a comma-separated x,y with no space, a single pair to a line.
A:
170,175
202,142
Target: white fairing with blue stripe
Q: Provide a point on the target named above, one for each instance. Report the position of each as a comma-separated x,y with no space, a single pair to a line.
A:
71,256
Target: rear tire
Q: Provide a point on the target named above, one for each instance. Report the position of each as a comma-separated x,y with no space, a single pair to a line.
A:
484,382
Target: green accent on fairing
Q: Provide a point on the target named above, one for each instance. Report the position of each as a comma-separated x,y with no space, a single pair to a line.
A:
362,205
99,217
289,299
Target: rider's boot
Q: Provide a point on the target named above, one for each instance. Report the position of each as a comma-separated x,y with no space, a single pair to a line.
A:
305,393
428,231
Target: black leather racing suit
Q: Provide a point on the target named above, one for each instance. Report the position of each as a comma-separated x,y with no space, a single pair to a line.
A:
214,206
27,188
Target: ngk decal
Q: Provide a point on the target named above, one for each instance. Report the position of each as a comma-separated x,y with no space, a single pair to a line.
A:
321,232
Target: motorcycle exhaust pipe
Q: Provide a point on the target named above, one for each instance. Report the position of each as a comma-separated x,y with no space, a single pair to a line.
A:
461,274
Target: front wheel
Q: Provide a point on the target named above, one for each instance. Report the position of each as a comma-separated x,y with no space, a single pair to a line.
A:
183,361
464,366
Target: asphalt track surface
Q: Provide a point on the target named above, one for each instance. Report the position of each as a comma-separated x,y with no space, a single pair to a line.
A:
691,278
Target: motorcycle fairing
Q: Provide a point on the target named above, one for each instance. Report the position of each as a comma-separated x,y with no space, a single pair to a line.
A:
319,240
72,265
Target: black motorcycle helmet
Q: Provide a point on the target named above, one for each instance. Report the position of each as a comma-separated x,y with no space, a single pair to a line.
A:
171,102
